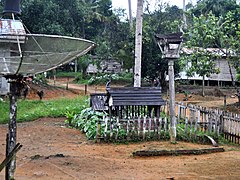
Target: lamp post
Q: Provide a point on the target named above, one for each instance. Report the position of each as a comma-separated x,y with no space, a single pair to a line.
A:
170,45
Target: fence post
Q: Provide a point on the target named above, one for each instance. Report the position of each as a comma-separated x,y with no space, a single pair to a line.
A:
7,152
225,102
98,131
85,89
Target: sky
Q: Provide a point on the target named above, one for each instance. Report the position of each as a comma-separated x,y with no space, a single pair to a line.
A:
124,3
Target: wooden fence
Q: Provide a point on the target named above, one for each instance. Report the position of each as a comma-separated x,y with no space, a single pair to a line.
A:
210,120
190,120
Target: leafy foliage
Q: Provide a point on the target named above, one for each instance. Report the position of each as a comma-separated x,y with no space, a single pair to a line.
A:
86,121
115,78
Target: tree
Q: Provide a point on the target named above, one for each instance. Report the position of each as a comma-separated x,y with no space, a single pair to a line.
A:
221,32
201,36
217,7
138,44
164,20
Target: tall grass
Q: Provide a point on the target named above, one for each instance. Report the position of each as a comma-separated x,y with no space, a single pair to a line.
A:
29,110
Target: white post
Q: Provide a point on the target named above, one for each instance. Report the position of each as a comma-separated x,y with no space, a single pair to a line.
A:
138,44
173,131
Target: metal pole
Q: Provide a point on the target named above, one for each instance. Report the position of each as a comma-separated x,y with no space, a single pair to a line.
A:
173,132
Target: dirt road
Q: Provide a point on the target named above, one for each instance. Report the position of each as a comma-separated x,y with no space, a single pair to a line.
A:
53,152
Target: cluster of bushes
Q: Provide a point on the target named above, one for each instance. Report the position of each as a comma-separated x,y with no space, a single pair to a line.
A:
102,78
86,121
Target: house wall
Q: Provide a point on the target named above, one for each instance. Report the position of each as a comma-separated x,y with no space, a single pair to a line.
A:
224,74
111,66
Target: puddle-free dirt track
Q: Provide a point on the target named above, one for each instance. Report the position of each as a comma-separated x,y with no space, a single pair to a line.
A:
52,151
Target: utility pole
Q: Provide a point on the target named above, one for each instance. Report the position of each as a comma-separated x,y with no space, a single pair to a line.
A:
138,44
130,15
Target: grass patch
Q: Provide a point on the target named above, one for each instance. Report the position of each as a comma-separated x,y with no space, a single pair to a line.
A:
67,74
29,110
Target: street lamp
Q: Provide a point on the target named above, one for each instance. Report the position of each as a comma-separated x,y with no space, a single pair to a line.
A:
170,45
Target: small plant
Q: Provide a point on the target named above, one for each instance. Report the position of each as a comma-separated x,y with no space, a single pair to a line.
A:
86,121
70,116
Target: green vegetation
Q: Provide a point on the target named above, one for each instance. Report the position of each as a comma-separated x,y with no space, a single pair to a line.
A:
103,78
86,121
29,110
67,74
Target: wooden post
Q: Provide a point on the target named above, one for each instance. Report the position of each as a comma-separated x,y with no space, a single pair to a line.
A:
67,83
225,102
85,89
106,127
144,127
54,80
98,137
12,126
7,152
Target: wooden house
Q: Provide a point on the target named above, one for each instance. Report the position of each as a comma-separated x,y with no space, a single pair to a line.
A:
220,79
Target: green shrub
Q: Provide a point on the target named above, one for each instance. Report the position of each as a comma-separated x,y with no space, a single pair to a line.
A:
86,121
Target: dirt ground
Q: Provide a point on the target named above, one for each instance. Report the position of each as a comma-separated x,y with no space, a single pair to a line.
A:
51,151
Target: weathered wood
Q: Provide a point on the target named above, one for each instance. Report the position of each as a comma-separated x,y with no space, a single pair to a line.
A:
106,127
177,152
7,152
144,127
136,96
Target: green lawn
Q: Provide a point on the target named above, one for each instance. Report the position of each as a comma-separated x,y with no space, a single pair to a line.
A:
29,110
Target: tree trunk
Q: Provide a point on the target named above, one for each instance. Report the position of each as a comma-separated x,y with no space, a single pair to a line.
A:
203,86
138,44
130,15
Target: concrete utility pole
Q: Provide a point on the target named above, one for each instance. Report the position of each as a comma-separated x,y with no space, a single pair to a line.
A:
138,44
173,131
130,14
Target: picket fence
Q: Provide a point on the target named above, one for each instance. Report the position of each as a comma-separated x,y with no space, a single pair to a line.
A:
190,119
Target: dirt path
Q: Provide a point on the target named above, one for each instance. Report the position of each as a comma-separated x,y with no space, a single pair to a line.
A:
207,101
51,152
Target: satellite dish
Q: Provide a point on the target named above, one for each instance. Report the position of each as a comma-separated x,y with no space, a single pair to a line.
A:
24,53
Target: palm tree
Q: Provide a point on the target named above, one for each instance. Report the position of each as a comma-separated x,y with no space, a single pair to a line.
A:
138,44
